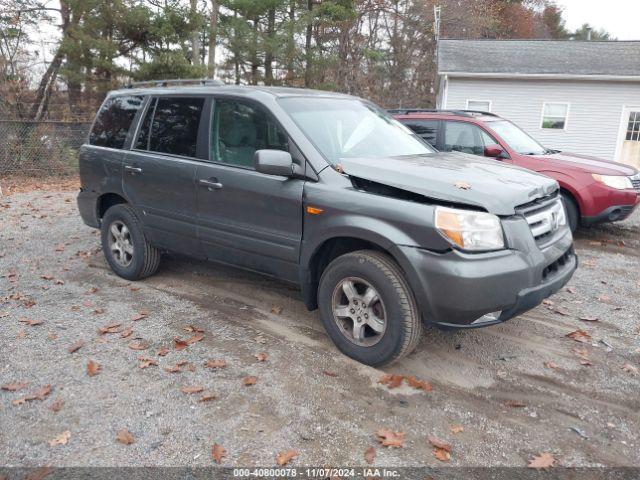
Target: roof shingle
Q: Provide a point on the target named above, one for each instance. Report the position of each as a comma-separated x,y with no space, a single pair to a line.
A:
539,57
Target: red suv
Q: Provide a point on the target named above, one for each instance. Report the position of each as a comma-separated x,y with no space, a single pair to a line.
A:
594,190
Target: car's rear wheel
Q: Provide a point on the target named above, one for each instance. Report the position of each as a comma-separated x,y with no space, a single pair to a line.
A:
368,309
573,215
124,245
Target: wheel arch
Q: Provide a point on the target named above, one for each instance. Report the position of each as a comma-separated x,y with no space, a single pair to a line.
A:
324,253
108,200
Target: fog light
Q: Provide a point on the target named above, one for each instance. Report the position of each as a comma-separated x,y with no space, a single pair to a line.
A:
489,317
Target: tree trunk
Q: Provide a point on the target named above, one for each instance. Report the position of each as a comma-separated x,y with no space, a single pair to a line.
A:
291,45
195,35
48,80
268,53
307,45
213,38
254,54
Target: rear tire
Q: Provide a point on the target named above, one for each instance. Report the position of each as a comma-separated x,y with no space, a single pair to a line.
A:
124,245
392,312
573,214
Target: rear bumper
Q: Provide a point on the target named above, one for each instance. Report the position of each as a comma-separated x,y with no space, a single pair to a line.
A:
87,206
455,289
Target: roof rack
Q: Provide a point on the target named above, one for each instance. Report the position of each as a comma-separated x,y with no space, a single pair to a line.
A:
177,81
461,113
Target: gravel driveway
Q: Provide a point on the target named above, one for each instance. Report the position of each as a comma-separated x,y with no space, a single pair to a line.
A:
500,395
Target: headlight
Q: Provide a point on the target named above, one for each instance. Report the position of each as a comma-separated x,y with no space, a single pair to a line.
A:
477,231
614,181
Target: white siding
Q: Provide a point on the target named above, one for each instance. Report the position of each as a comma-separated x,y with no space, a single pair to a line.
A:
595,113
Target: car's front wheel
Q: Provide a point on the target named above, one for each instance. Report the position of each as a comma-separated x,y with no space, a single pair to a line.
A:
368,309
124,245
573,215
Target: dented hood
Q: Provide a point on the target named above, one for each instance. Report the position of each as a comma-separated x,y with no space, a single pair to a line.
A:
494,186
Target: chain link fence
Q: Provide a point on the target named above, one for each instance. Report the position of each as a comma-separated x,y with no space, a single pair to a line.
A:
40,148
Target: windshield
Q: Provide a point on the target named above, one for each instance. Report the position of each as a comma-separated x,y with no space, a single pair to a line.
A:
517,139
349,128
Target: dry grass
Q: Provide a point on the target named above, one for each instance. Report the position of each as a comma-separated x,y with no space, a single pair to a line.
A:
17,184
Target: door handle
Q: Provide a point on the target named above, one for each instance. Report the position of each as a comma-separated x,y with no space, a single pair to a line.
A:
132,169
211,184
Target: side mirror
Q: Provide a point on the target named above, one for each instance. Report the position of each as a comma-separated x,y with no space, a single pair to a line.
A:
273,162
494,151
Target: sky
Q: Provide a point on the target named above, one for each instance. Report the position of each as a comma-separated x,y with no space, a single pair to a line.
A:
621,18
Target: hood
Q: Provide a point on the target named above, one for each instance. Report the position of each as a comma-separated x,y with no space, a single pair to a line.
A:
589,164
495,187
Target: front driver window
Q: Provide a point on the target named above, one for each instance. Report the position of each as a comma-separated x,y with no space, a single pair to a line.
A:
463,137
239,129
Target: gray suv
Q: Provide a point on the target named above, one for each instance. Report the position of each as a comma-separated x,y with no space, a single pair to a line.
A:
379,231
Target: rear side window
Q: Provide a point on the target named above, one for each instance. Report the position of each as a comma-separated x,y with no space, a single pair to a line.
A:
425,129
171,126
114,120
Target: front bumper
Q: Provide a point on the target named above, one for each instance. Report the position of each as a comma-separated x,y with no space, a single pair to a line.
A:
455,289
612,214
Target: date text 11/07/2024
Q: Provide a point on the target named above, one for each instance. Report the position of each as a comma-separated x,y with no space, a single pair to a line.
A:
308,472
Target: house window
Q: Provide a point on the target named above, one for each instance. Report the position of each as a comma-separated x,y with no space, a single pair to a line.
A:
633,130
554,115
479,105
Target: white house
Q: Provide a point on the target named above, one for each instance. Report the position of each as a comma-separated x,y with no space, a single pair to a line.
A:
582,97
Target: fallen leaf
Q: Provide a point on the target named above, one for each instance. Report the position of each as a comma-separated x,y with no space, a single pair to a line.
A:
457,428
139,345
215,364
207,397
99,311
174,369
561,311
76,346
285,457
514,404
47,277
389,438
180,344
248,381
193,329
329,374
261,357
276,309
93,368
40,473
125,436
604,298
418,384
111,328
190,390
218,452
581,352
61,439
550,365
56,406
588,319
39,394
586,363
542,461
441,454
31,322
135,289
147,362
579,336
632,369
127,332
463,185
571,290
548,302
140,315
163,351
15,386
391,381
60,248
437,443
370,455
92,290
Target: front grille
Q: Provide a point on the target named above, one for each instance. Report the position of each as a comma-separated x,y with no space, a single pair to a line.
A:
552,269
543,216
635,181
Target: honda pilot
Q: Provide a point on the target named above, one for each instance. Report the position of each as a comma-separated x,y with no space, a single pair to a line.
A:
328,192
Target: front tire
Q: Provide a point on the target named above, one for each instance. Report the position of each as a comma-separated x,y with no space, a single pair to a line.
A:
368,309
573,215
124,245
